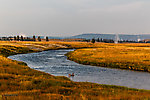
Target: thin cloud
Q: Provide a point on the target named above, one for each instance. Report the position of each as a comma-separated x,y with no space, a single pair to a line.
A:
70,17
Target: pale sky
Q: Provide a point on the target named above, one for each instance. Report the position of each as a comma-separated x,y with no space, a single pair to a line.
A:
71,17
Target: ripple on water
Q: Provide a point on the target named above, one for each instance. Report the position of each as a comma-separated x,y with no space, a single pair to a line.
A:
55,63
50,58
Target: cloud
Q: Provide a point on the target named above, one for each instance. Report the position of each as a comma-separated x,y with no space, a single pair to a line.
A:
74,16
128,7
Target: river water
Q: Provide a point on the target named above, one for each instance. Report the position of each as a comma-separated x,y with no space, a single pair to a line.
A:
55,63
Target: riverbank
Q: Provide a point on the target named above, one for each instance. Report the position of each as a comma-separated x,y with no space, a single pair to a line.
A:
18,81
134,57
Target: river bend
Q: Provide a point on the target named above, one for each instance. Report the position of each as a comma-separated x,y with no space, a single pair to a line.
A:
55,63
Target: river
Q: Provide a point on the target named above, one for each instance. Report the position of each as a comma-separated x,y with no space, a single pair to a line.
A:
55,63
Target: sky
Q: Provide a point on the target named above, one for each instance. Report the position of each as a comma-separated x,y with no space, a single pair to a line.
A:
72,17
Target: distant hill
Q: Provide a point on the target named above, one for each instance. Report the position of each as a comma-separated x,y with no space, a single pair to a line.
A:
112,36
90,36
103,36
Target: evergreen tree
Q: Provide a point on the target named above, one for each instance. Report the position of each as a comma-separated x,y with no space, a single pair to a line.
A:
22,38
101,40
39,39
93,41
17,37
98,40
47,38
34,39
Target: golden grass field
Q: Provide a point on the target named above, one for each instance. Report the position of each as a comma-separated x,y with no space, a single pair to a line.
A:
124,56
19,82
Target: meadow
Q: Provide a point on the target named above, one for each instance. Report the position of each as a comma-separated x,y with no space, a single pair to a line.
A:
18,81
123,56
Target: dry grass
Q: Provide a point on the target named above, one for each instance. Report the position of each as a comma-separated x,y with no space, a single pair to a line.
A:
18,81
127,56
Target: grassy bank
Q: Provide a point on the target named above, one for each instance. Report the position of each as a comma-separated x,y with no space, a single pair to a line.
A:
128,56
18,81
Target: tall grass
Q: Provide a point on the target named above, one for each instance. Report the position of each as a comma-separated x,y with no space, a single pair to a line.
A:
133,56
18,81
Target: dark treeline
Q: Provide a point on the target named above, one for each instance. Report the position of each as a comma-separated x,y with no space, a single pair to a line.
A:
38,38
112,41
21,38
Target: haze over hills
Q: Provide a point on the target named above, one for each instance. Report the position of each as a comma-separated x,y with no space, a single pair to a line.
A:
133,37
108,36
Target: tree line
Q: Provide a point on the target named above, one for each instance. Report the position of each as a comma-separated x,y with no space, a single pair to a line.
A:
21,38
38,38
112,41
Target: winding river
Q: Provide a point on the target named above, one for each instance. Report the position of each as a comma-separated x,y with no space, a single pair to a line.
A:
55,63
